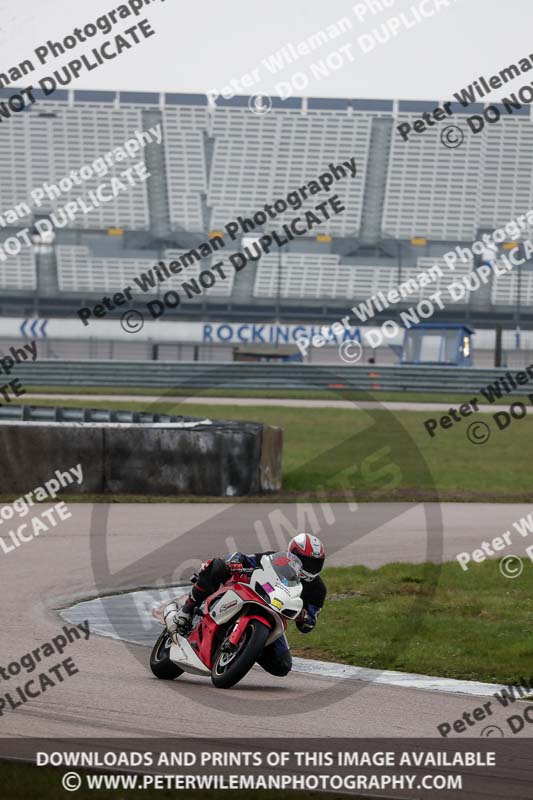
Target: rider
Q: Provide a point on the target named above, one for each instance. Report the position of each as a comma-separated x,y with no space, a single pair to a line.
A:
276,657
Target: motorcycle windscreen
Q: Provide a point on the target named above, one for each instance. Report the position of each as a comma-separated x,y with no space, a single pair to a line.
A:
286,566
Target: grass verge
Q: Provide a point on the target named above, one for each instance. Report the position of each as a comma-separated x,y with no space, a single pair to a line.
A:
473,625
267,394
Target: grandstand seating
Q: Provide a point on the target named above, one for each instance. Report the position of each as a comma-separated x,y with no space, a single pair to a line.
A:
259,161
432,190
505,289
19,272
222,288
506,181
218,163
186,171
442,282
37,149
304,275
79,270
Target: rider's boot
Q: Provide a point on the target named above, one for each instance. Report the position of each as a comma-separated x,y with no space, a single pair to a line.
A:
178,620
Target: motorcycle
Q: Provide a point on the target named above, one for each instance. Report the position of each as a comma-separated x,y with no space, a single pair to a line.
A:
233,626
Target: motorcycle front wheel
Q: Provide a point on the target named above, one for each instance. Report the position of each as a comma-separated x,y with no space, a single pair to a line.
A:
230,667
160,662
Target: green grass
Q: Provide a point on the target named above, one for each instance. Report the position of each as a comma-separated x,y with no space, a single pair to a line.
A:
427,619
266,394
27,782
328,453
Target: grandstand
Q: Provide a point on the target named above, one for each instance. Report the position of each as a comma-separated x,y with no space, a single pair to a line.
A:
409,204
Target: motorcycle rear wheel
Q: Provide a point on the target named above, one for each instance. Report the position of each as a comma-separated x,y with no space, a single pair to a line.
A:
160,662
228,670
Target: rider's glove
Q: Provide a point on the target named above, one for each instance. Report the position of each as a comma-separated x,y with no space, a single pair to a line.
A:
239,563
305,622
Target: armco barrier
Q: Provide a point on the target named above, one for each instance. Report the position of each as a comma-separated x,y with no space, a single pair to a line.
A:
192,376
180,455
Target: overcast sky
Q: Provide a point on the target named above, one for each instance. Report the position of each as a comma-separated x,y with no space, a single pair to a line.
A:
196,49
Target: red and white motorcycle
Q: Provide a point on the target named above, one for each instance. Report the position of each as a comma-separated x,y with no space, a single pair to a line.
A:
234,625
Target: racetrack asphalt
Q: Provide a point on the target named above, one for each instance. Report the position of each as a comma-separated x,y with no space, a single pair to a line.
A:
114,694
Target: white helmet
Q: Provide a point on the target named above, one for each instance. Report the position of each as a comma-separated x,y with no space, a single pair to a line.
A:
311,553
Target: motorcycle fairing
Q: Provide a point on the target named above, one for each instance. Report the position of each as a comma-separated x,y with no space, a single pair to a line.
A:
237,599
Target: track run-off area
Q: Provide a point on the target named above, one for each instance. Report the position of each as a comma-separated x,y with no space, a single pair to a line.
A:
109,550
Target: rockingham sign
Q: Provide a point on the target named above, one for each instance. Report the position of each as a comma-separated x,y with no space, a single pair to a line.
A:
220,333
259,333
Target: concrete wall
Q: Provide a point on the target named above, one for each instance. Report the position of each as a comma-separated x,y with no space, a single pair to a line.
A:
226,458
